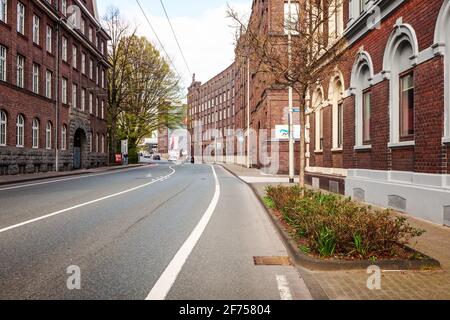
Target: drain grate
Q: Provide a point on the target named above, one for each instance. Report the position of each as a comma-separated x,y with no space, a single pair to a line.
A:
272,261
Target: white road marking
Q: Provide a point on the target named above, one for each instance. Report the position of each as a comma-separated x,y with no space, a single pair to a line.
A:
86,203
67,179
283,288
162,287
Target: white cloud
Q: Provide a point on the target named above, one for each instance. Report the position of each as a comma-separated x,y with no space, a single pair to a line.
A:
207,40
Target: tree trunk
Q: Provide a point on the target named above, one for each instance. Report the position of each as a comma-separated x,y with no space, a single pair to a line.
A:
112,144
302,141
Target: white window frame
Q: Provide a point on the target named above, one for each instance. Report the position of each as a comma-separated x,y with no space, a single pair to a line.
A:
91,98
48,135
20,131
48,84
83,99
64,138
20,74
3,128
3,62
35,133
20,18
4,11
64,90
36,29
64,43
83,63
49,39
74,95
74,57
64,7
36,78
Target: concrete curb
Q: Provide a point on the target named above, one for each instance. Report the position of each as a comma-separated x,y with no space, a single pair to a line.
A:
314,287
315,264
68,174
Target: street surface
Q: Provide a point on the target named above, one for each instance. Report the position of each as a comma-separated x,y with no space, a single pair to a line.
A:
167,231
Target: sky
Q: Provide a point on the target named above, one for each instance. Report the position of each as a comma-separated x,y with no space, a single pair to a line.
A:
203,30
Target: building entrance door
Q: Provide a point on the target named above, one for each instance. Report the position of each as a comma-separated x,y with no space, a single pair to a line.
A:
78,143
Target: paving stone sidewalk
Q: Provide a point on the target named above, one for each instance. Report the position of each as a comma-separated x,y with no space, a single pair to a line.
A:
5,180
395,285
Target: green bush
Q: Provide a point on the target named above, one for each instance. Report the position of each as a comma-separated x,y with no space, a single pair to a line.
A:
336,226
133,156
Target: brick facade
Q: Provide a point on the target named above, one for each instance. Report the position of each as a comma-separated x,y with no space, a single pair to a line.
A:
411,38
85,130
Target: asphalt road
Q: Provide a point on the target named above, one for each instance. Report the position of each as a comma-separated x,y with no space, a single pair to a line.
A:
157,232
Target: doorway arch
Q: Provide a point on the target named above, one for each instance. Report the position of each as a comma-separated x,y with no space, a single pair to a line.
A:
79,143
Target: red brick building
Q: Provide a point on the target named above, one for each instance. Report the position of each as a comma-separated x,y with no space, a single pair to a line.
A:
379,125
52,86
211,115
393,93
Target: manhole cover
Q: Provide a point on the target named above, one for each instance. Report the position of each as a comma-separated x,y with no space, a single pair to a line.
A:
272,261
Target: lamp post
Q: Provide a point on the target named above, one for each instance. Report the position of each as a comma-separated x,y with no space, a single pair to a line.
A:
291,107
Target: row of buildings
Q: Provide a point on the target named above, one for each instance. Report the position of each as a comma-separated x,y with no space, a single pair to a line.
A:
53,64
378,127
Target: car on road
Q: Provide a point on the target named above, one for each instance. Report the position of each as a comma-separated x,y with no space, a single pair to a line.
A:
157,157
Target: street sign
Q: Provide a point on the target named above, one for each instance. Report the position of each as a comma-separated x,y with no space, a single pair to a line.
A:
124,147
296,110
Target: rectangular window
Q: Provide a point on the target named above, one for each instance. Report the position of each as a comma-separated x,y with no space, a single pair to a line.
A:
340,110
83,63
74,95
20,81
321,128
49,39
64,91
20,18
103,110
36,71
407,105
367,103
3,124
74,57
91,69
91,98
2,63
48,84
64,7
36,29
4,10
64,49
83,99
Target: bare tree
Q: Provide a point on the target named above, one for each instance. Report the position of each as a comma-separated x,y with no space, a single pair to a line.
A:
311,32
119,74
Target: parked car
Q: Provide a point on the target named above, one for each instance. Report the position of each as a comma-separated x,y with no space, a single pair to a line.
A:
157,157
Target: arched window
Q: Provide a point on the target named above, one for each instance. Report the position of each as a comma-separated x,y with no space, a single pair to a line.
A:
20,132
64,137
3,126
335,95
48,136
362,73
401,50
442,36
35,133
317,105
103,143
91,142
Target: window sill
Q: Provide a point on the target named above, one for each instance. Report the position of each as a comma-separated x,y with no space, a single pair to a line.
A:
337,150
318,151
446,140
363,148
393,145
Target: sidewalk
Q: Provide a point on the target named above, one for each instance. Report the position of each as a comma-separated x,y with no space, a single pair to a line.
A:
6,180
404,285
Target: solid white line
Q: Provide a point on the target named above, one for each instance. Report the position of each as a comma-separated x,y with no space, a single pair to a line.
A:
85,204
283,288
68,179
170,274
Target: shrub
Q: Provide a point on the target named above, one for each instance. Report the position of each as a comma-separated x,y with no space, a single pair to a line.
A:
334,225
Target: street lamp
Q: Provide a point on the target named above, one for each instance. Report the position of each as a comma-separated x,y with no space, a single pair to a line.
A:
291,107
